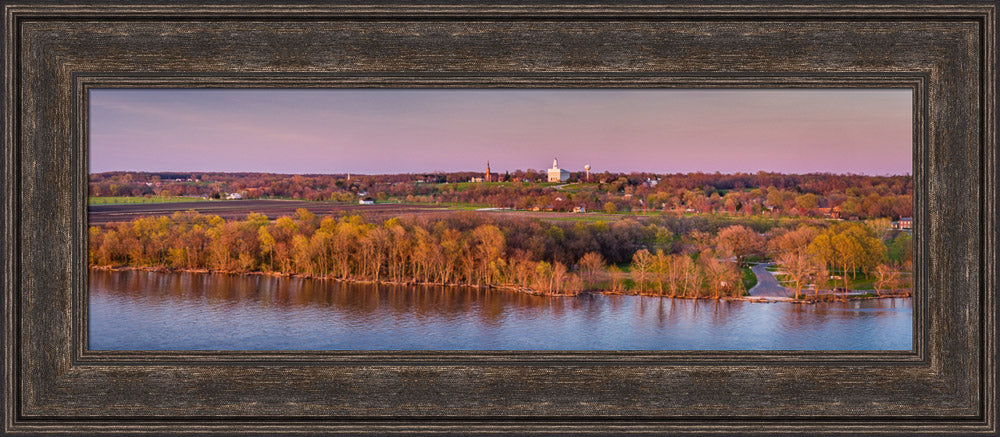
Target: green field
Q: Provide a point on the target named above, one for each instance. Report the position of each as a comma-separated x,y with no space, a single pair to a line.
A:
112,200
450,205
861,282
749,279
577,187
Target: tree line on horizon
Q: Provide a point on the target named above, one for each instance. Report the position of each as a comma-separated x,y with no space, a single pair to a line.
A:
671,255
810,195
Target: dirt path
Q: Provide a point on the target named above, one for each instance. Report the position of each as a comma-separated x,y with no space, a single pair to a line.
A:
767,284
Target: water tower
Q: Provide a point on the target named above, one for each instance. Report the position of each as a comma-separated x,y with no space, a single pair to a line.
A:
587,168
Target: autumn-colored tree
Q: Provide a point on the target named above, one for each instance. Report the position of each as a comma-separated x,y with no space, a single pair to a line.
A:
864,249
863,196
94,242
543,276
850,247
450,241
792,241
489,250
882,227
321,249
573,285
305,221
617,279
691,277
301,254
721,276
807,201
739,241
283,230
642,264
701,241
675,270
591,266
267,243
374,250
802,269
900,250
560,274
343,246
822,277
661,270
886,278
476,249
399,249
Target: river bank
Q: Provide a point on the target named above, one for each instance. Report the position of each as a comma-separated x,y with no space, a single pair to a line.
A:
750,297
138,310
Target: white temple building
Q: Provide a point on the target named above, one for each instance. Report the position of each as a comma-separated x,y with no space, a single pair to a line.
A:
557,174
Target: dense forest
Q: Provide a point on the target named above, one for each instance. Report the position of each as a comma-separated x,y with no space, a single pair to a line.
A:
676,255
771,194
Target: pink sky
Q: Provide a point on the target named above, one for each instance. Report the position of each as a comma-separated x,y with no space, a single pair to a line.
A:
418,131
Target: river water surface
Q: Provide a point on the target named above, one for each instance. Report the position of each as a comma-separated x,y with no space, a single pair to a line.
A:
134,310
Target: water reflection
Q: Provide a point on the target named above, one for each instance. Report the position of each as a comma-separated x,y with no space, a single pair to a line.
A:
157,311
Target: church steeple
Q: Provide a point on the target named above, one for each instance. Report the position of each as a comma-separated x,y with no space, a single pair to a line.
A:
488,177
555,163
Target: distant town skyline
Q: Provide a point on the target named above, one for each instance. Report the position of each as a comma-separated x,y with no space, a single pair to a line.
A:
369,131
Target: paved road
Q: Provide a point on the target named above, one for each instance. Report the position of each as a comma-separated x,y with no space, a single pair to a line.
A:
767,284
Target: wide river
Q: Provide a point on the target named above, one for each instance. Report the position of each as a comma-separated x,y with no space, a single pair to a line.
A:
131,310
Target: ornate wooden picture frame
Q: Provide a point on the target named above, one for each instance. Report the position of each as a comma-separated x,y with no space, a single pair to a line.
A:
54,52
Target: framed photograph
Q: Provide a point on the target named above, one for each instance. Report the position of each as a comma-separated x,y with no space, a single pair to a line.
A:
516,218
382,252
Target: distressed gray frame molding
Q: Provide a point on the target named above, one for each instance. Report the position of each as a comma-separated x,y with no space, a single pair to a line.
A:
53,53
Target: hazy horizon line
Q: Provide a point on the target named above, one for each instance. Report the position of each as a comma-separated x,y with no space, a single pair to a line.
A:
507,171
